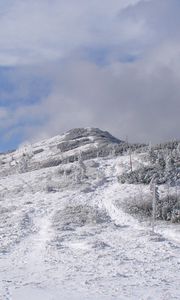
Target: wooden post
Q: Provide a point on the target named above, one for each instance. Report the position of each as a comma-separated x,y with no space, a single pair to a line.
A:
154,207
130,160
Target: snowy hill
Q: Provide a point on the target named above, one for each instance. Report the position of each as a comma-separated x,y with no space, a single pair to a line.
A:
70,229
60,149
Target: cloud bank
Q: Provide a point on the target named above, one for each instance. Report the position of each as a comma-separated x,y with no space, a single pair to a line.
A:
113,65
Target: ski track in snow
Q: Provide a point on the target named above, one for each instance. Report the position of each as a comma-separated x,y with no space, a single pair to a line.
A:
116,258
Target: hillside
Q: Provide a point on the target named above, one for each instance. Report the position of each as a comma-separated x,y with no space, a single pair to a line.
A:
75,220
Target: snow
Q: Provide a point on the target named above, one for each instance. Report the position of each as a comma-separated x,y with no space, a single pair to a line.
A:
77,243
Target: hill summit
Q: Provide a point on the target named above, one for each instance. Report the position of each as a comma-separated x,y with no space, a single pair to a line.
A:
65,148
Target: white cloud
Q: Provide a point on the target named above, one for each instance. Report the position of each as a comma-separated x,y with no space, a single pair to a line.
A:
139,99
40,30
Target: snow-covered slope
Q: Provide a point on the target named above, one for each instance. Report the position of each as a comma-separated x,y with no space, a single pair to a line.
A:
90,142
63,233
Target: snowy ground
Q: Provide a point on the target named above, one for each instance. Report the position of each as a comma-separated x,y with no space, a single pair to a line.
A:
74,242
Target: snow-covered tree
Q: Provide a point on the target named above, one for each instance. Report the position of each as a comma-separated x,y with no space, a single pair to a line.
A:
82,166
152,155
160,161
23,163
170,163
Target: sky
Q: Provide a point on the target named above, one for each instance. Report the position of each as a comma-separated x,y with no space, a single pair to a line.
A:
79,63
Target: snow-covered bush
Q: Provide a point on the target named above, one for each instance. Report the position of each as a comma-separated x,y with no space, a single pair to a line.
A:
175,218
144,175
163,161
77,216
138,205
23,164
167,208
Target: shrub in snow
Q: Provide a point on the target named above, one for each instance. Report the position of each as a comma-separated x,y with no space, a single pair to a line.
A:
38,151
167,208
152,155
23,164
175,218
52,162
170,163
50,188
164,163
78,215
144,175
141,176
138,205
